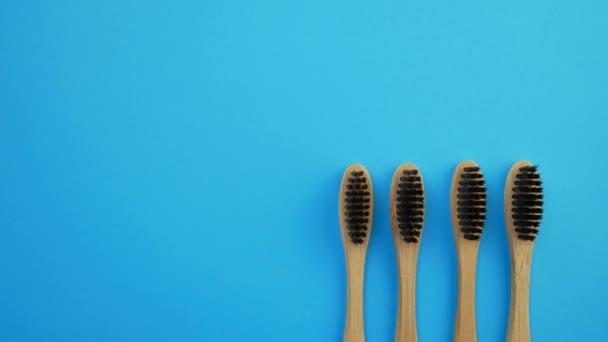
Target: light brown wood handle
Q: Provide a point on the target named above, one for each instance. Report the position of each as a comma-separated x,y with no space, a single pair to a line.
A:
354,332
406,314
519,320
465,328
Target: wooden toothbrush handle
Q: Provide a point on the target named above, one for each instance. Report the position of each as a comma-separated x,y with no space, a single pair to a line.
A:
353,331
465,328
519,319
406,311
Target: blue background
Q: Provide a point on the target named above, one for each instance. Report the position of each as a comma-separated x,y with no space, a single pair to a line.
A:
169,171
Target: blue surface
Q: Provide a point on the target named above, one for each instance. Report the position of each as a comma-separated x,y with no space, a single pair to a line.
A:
171,172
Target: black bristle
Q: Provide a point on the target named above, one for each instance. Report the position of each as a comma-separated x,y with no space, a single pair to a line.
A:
471,204
410,206
527,202
356,206
477,196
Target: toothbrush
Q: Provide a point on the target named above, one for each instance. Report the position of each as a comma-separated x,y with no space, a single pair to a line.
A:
407,219
468,207
356,210
523,212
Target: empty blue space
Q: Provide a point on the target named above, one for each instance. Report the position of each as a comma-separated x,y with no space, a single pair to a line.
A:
169,170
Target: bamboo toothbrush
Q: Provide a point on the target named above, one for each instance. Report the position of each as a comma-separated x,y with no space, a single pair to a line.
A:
468,206
407,218
356,210
523,212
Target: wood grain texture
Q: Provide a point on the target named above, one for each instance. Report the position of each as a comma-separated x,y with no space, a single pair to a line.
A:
407,259
465,329
521,259
355,262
